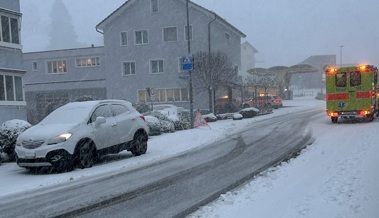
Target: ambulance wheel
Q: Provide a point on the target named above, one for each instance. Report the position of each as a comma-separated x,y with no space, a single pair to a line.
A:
334,119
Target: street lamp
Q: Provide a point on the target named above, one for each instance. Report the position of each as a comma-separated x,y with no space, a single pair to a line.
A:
341,55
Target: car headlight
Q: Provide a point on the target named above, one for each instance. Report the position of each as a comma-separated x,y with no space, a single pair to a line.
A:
59,138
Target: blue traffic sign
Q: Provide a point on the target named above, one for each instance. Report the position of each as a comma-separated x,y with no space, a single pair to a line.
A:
187,62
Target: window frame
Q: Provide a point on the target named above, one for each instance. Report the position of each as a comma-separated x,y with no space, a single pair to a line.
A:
191,33
167,28
180,95
158,61
34,66
12,29
154,6
18,93
85,60
130,68
122,39
142,37
64,65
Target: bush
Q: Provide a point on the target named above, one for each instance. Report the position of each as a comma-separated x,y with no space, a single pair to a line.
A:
166,125
142,107
9,131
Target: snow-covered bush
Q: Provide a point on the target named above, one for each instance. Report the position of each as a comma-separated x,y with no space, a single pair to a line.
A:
249,112
142,107
9,131
237,116
166,124
154,125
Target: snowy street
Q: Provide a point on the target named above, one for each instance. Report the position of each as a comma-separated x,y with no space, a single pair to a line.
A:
334,177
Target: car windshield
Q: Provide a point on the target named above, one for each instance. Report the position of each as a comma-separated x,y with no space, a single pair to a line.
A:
68,115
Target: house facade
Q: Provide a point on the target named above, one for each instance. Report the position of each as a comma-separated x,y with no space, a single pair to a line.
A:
144,41
55,78
12,99
247,58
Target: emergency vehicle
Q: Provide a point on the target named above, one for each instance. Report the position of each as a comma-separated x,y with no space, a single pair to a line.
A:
352,92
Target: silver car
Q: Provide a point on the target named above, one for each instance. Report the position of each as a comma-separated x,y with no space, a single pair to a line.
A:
77,133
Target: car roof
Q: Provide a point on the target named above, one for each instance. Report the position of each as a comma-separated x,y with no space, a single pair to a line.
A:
96,102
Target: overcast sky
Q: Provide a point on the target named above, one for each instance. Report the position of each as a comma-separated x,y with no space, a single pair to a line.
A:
285,32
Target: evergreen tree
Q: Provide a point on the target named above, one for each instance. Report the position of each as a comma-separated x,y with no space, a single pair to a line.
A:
62,31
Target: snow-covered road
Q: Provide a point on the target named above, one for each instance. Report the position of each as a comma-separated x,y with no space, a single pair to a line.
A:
334,177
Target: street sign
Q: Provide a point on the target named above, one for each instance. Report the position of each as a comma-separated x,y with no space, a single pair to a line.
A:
184,75
152,92
187,62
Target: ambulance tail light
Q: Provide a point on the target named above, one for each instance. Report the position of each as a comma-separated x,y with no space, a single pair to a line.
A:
364,113
333,114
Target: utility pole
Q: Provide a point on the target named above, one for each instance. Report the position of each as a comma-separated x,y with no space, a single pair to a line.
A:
190,73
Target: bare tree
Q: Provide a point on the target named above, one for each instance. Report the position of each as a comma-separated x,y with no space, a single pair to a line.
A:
212,71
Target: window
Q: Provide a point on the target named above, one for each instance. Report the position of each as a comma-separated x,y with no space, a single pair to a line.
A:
355,78
154,5
119,109
170,34
141,37
35,66
5,29
102,111
129,68
2,88
88,62
124,38
56,67
11,88
165,95
227,38
186,33
18,88
9,30
341,79
180,68
156,66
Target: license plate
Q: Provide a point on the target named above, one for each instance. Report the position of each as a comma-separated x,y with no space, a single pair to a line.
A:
30,155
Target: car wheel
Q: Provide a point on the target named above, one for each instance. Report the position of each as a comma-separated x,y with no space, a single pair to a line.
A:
139,144
86,154
334,119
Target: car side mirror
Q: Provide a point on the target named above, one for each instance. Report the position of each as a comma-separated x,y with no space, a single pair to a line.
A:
100,120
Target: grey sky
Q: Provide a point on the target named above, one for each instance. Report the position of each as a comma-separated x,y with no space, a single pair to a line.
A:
284,32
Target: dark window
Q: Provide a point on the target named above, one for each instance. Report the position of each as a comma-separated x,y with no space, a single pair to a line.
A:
154,5
18,88
2,89
119,109
190,32
14,31
102,111
124,38
170,34
355,78
9,86
5,29
341,79
129,68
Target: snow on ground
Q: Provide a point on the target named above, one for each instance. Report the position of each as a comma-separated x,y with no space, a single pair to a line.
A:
334,177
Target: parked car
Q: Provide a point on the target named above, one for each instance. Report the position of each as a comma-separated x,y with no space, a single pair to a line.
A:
249,112
260,102
170,110
75,134
278,101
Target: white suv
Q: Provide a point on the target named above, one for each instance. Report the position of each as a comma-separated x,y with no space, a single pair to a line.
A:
75,134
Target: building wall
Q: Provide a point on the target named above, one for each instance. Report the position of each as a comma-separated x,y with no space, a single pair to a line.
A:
46,91
171,14
13,5
12,103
